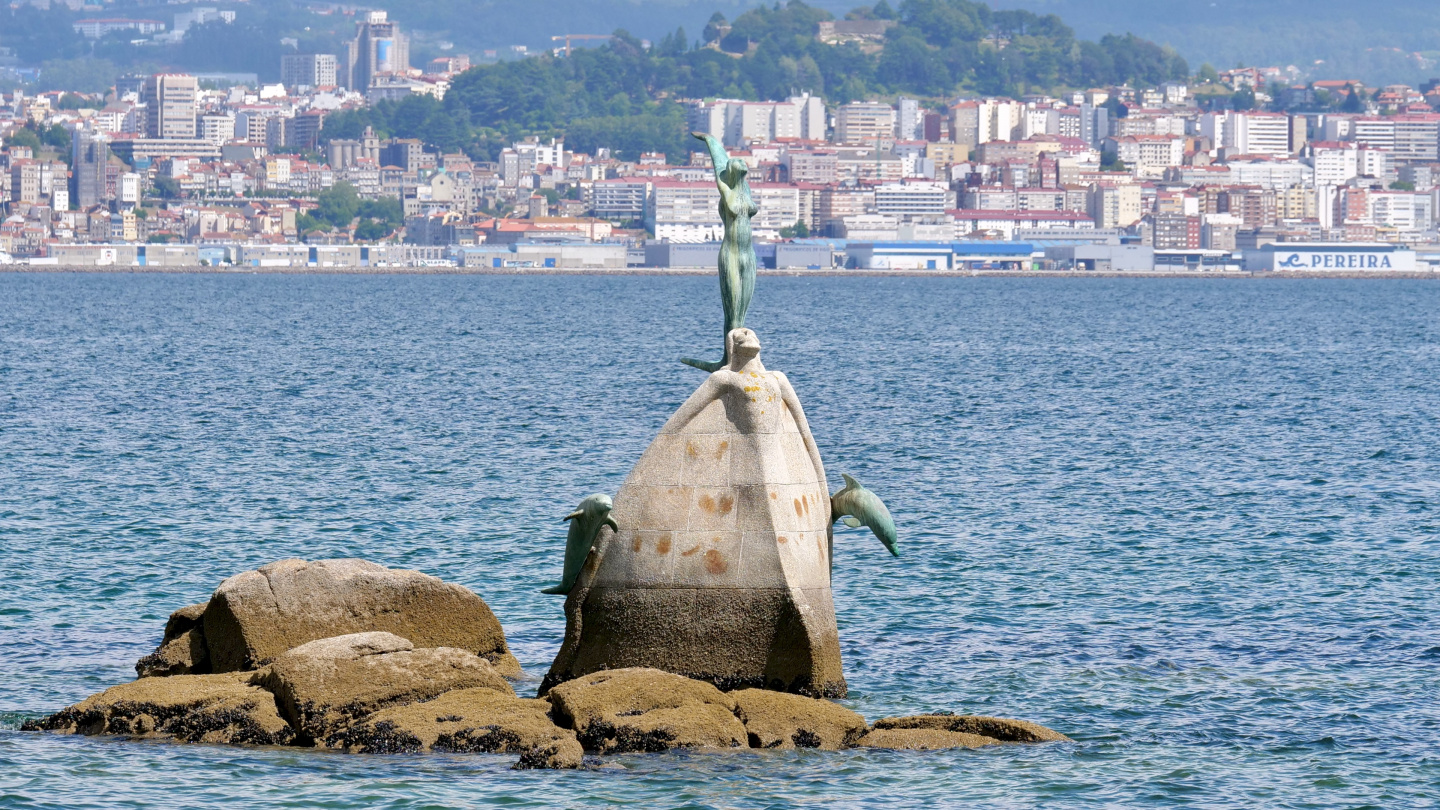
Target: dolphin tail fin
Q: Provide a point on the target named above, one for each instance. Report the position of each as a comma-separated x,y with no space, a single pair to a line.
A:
704,365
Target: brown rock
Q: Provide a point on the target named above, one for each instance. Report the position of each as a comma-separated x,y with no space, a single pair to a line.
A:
255,616
192,708
922,739
324,686
646,710
182,651
469,721
779,720
998,728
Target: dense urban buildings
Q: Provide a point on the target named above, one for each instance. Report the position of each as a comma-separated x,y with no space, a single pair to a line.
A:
1105,178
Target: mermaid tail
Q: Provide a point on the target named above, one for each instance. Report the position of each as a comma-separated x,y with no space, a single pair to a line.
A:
706,365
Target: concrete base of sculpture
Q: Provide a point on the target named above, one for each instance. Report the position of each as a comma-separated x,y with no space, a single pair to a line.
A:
720,569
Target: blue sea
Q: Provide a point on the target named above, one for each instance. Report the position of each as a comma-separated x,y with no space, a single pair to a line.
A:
1193,524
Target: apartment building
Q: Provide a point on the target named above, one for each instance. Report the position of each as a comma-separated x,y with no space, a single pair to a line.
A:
679,211
170,106
861,122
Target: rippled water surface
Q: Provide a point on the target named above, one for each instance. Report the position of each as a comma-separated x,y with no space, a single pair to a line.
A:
1193,524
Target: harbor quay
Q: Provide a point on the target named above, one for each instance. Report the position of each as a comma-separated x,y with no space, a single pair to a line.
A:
1100,254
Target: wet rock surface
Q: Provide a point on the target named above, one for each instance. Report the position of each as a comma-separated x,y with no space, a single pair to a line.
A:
256,616
998,728
182,651
324,686
779,720
377,691
922,739
469,721
638,709
189,708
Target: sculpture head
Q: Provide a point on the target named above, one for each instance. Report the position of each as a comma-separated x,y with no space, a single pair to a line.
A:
742,345
735,171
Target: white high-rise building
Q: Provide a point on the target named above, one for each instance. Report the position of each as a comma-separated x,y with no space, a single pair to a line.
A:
864,122
1257,133
909,124
1335,162
170,105
739,122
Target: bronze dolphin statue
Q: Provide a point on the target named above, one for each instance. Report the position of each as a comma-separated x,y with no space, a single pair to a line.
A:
585,523
858,507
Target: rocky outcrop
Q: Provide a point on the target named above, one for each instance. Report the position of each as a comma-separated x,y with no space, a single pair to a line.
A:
324,686
469,721
639,709
182,651
922,739
720,569
997,728
928,732
779,720
256,616
191,708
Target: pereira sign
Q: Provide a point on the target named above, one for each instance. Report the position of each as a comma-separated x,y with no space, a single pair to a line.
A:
1342,259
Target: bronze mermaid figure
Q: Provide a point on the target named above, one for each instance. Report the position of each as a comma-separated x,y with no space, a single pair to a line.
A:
737,254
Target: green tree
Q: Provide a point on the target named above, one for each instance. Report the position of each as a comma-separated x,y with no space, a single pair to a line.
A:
369,230
305,223
338,205
797,231
24,136
165,187
1354,100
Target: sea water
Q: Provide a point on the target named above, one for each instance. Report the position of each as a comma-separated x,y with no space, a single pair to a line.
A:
1193,524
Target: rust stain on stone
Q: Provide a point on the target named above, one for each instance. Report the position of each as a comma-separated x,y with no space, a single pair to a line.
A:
714,563
691,450
720,451
690,552
707,503
663,546
774,496
635,544
799,510
727,502
781,538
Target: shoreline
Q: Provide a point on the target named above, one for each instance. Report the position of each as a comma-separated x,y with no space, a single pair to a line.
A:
705,271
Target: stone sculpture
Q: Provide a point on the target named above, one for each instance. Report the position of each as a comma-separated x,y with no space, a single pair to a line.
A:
856,506
585,524
720,568
737,254
717,566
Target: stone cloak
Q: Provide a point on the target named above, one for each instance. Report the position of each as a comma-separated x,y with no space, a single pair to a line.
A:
720,569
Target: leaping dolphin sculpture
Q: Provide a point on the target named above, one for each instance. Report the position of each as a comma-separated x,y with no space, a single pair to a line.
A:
585,523
856,506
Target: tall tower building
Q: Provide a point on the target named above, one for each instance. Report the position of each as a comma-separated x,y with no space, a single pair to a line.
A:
170,105
309,70
90,156
378,48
